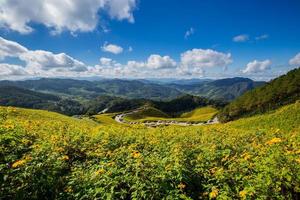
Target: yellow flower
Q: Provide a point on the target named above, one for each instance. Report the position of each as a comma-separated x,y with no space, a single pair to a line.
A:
298,160
100,171
69,190
273,141
246,156
65,157
18,163
9,126
181,186
243,194
136,154
214,193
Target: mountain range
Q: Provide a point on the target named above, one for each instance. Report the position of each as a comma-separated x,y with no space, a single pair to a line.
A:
223,89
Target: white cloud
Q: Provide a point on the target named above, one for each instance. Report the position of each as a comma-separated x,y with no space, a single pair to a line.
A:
60,15
204,58
45,60
154,61
38,62
121,9
41,63
159,62
10,49
257,66
262,37
241,38
130,49
11,70
189,32
112,48
106,61
295,60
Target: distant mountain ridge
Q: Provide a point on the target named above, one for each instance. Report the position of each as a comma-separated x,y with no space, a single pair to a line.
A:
223,89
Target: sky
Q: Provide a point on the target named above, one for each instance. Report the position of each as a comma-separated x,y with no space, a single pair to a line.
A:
258,39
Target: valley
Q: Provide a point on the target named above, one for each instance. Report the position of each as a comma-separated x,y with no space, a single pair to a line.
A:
188,147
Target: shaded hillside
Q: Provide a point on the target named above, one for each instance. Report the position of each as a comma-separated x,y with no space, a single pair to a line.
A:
184,104
20,97
224,89
69,87
278,92
173,107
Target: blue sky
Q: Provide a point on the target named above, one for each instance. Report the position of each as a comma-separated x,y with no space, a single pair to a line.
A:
179,39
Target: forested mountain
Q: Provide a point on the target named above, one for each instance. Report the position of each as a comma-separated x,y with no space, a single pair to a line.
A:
20,97
83,89
278,92
223,89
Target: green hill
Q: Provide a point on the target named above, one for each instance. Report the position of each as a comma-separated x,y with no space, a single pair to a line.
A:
146,112
202,114
278,92
223,89
48,154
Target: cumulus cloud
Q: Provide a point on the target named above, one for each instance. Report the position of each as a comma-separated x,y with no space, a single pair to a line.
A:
112,48
205,58
189,32
121,9
295,60
257,66
41,63
159,62
10,49
46,60
38,61
60,15
11,70
241,38
154,61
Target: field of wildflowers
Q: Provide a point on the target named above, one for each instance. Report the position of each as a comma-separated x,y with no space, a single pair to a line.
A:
44,155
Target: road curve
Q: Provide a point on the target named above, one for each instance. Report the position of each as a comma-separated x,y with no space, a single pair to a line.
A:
120,119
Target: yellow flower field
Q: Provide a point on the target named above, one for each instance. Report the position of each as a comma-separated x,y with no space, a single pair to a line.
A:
44,154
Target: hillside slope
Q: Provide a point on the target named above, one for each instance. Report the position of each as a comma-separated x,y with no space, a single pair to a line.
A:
278,92
47,154
222,89
20,97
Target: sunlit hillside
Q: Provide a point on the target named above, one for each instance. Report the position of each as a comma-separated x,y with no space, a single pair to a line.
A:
44,153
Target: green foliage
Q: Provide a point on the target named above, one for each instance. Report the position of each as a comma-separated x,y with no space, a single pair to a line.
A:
145,113
224,89
15,96
280,91
202,114
47,155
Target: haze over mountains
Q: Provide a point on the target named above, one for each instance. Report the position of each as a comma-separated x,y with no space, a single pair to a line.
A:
224,89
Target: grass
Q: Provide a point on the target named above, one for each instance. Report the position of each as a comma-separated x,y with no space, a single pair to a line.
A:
107,119
200,114
48,154
151,114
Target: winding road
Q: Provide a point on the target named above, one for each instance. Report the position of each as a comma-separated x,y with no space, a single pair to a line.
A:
120,119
